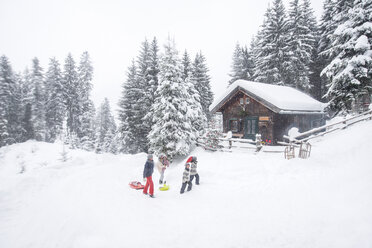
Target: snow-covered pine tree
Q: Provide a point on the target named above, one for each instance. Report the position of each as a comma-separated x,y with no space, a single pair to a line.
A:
7,88
248,63
85,75
326,30
38,100
105,128
237,67
198,118
171,132
150,87
154,67
202,83
301,28
145,99
71,95
17,108
26,105
55,105
316,66
128,112
350,72
186,66
272,61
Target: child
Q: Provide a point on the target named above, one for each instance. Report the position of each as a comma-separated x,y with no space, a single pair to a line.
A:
161,165
186,178
193,160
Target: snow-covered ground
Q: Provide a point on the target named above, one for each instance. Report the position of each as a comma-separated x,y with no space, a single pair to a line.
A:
244,200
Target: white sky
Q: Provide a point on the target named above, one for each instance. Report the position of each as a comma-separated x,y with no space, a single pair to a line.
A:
112,32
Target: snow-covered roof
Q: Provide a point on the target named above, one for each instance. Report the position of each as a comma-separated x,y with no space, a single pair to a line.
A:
280,99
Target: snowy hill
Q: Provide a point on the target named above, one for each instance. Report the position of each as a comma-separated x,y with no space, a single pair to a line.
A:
244,200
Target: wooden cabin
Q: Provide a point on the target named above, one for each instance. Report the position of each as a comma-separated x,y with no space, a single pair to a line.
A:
249,108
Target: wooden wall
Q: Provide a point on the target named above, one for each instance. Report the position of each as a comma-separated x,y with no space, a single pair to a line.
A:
233,109
271,126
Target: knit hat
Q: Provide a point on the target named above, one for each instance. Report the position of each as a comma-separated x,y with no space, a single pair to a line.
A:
149,156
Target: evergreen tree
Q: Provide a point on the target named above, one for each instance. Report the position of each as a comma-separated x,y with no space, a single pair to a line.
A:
27,127
128,112
202,83
55,107
154,67
38,100
85,75
196,114
17,108
7,88
72,97
171,133
26,106
248,63
105,128
326,30
237,69
145,99
350,71
316,66
272,61
149,89
186,66
301,27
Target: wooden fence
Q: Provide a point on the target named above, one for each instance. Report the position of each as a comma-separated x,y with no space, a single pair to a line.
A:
300,141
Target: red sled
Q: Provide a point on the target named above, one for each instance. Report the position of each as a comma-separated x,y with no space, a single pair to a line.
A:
136,185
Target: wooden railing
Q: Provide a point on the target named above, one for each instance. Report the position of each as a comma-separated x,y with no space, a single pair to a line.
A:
320,131
302,140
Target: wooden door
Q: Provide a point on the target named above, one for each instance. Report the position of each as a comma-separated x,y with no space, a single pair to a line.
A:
250,127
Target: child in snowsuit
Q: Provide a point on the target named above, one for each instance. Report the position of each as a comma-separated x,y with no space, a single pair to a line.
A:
186,178
193,170
161,165
147,173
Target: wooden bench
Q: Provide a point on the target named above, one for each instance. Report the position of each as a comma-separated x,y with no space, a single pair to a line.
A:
238,135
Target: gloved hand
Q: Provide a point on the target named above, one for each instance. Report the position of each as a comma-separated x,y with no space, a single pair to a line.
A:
144,179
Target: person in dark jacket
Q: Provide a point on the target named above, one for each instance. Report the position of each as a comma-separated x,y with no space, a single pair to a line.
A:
186,178
147,174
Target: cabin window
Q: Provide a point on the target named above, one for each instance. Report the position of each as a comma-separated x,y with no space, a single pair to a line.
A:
243,102
234,125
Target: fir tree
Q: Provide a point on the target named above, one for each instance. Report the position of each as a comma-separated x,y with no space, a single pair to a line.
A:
350,71
71,95
186,66
55,107
196,114
272,61
26,106
301,27
248,63
128,112
237,71
85,75
7,87
105,128
171,133
38,100
145,99
202,83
